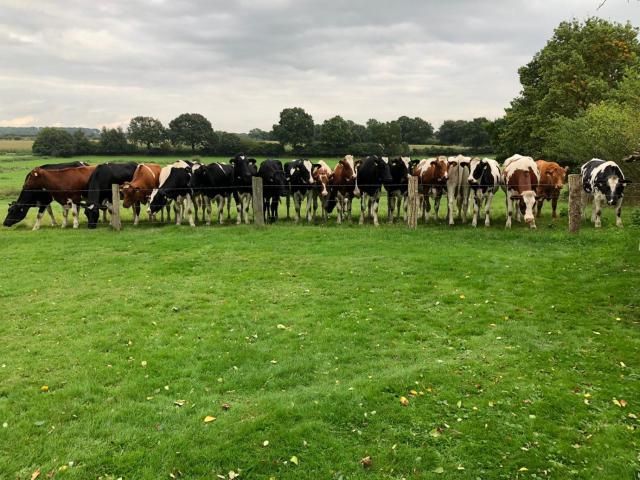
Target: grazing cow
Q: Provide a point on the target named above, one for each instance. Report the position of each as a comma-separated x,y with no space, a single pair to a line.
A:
213,181
174,185
521,176
322,176
99,196
274,186
373,173
343,188
605,182
67,186
244,169
484,181
552,178
432,175
145,179
398,190
300,184
458,186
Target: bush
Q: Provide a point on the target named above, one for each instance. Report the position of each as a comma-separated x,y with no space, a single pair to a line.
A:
54,142
113,141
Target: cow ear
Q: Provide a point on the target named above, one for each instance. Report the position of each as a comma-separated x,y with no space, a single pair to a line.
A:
252,161
566,169
453,164
315,167
232,161
433,162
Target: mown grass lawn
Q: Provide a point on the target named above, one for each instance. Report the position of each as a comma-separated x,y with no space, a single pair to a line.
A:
522,349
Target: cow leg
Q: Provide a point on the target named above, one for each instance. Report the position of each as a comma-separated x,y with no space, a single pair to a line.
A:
288,203
436,204
451,201
374,208
65,215
39,215
297,204
74,213
349,204
619,213
487,209
427,207
238,199
53,219
477,199
405,204
540,202
136,213
465,204
190,207
309,200
390,207
363,206
597,209
275,201
554,205
509,210
176,210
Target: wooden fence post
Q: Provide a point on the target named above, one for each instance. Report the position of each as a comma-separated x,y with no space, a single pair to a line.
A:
258,201
575,191
116,224
412,210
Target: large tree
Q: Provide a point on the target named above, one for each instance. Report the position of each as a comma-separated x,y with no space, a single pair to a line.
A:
387,134
113,141
190,129
55,142
578,67
146,131
415,130
295,127
336,132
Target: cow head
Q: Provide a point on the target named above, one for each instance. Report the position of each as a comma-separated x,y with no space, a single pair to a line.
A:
322,176
382,170
93,214
441,169
16,213
400,169
526,204
278,181
348,168
158,200
300,172
612,187
477,170
555,175
129,194
242,169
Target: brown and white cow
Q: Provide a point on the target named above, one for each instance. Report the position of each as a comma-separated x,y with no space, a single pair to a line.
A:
67,186
552,178
521,177
322,176
432,177
138,191
343,188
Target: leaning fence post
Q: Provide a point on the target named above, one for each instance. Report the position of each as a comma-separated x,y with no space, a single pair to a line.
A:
412,210
116,224
575,190
258,202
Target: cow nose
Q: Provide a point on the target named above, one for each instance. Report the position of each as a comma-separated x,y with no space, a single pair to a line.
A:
610,202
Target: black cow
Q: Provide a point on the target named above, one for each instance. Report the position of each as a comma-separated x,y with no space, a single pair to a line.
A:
398,190
174,185
274,183
213,181
373,173
605,182
99,196
244,169
38,198
299,179
484,182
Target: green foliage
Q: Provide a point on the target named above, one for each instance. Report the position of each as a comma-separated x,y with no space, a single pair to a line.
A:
388,134
54,142
224,143
146,131
635,217
295,128
82,145
415,130
578,67
336,132
474,133
191,129
113,141
259,134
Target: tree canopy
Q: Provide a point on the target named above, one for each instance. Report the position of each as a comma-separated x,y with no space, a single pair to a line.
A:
146,131
295,127
54,142
190,129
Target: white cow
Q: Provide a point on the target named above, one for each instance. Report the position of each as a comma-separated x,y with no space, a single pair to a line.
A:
458,186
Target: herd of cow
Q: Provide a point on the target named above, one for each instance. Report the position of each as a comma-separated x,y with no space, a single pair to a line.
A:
190,186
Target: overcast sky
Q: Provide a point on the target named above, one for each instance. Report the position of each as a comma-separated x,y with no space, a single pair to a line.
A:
239,63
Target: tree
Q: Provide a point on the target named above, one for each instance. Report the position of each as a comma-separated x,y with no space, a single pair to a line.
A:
476,133
578,67
225,143
54,142
451,132
388,134
358,132
258,134
113,141
146,131
190,129
415,130
336,132
295,127
81,143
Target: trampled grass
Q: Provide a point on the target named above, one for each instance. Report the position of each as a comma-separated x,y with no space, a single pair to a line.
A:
521,348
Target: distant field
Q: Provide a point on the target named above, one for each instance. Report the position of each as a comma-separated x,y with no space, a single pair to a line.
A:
15,146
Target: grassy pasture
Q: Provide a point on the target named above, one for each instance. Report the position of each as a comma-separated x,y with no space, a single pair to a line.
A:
15,146
518,344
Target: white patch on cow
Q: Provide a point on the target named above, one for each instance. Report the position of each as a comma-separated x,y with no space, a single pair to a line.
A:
309,166
529,198
406,161
385,159
518,162
164,174
613,182
600,168
148,168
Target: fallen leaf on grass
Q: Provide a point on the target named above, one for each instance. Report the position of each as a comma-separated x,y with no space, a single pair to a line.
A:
461,297
35,474
294,460
265,443
632,415
44,388
179,403
438,470
282,327
404,401
413,393
209,419
233,475
366,461
436,432
523,469
619,403
226,406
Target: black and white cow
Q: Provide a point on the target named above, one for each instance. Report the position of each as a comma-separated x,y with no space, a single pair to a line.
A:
213,181
300,182
99,195
274,186
484,182
244,169
174,184
398,190
373,173
605,182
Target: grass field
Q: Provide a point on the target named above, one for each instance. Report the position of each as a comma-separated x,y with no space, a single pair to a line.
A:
15,146
517,351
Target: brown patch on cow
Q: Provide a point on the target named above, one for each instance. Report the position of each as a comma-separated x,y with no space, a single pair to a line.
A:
552,177
322,176
138,190
64,185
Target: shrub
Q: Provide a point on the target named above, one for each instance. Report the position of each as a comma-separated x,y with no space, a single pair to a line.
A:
54,142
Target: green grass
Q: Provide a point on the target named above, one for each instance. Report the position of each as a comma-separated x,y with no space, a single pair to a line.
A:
516,343
21,146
